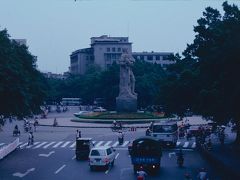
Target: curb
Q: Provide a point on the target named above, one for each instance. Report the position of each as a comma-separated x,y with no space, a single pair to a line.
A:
109,121
91,126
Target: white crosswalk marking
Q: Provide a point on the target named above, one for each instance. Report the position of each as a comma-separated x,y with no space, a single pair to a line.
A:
99,143
115,144
32,145
38,146
2,144
125,143
186,144
73,145
65,144
46,146
194,145
23,145
56,145
20,143
107,144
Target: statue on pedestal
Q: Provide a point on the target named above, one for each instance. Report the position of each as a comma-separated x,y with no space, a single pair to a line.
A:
127,99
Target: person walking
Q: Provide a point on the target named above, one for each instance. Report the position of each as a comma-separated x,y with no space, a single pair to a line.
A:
30,138
78,134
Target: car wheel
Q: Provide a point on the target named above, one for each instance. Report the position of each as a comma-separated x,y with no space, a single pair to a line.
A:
91,168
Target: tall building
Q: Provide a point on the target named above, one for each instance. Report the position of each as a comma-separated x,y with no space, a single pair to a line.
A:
80,60
162,58
104,50
109,49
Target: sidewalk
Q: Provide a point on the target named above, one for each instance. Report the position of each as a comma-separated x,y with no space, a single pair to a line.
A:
225,157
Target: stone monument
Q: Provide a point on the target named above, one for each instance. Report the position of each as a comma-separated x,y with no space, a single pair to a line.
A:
127,98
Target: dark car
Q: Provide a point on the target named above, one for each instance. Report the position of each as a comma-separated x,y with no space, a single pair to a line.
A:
83,147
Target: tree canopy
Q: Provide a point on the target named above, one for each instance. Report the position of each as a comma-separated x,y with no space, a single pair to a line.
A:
22,86
207,78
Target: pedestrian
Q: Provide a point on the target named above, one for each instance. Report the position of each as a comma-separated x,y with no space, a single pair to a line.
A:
30,138
78,134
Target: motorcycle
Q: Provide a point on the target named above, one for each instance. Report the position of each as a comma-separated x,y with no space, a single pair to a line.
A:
180,158
180,161
16,132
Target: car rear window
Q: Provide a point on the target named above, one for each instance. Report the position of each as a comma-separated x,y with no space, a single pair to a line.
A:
98,152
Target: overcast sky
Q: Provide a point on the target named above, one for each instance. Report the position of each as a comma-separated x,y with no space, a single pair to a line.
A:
55,28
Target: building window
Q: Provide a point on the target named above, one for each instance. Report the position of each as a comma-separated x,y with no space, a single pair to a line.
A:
157,58
142,58
113,49
165,57
114,56
149,58
119,49
138,57
108,49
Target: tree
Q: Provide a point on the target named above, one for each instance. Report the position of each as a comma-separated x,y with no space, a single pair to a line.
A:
212,62
22,87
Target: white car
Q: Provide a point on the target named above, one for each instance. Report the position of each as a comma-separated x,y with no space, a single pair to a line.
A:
81,113
102,156
99,109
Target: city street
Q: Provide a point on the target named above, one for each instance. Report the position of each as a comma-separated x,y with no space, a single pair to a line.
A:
53,156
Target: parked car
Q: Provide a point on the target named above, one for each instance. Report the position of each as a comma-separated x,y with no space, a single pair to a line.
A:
102,156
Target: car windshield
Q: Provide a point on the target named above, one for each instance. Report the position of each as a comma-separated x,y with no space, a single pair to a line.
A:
164,128
98,152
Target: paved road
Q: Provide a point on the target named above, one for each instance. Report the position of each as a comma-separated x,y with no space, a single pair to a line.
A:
53,157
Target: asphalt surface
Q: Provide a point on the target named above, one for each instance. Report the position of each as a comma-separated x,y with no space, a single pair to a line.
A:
53,156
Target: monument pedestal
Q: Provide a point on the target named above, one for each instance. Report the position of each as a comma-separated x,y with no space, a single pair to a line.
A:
126,104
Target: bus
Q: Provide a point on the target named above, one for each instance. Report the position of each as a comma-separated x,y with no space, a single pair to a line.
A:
166,132
71,101
146,154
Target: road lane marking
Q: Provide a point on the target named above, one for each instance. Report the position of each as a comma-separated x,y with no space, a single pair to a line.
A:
2,144
117,156
99,143
125,143
170,154
57,171
41,144
119,148
56,145
65,144
178,143
194,145
74,157
107,144
23,145
46,155
73,145
32,145
18,174
186,144
115,144
46,146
